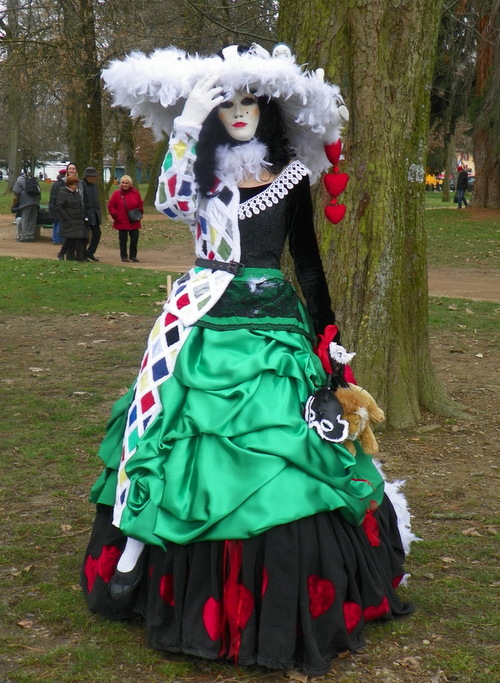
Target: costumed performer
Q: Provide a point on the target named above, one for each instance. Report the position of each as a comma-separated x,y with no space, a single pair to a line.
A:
223,518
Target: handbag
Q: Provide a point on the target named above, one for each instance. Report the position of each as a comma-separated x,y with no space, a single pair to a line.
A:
134,215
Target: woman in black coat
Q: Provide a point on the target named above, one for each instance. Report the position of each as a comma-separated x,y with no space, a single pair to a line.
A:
72,220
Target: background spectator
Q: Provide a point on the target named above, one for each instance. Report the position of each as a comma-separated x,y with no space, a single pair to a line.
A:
72,221
123,200
92,210
29,203
53,215
462,185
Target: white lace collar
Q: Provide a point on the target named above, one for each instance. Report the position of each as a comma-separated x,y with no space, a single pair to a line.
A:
291,175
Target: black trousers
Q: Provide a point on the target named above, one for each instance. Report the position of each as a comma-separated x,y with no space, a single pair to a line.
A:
134,238
74,248
95,238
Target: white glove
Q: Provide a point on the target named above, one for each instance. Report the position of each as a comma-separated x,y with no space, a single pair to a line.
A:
204,97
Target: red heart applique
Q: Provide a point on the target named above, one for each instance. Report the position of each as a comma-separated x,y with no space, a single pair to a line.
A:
321,595
90,571
335,183
108,559
377,611
212,618
103,566
335,213
333,151
167,589
352,615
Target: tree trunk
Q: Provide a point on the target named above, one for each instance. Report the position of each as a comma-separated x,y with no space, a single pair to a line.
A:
381,54
161,150
13,103
486,134
127,136
486,191
83,102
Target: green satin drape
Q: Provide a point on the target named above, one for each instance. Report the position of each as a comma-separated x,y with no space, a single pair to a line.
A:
230,455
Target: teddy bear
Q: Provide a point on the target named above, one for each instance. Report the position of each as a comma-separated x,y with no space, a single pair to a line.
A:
359,410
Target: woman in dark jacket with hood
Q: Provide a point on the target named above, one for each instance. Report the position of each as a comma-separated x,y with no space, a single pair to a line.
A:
72,220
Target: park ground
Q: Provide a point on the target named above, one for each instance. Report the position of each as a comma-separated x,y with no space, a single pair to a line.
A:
450,466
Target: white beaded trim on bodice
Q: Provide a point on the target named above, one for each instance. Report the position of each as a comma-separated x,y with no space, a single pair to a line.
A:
289,176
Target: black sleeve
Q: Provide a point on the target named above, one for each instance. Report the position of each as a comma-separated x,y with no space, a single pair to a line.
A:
61,206
305,253
52,199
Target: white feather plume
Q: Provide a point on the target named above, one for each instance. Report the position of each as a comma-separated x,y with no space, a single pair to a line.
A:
400,505
241,161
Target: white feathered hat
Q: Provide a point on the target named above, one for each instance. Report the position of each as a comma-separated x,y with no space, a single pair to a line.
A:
156,87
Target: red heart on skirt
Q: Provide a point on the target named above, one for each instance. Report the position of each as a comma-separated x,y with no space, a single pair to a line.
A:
212,618
167,589
335,213
321,595
333,151
90,571
335,183
352,615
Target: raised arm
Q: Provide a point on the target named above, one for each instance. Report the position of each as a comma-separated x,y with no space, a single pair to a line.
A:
176,195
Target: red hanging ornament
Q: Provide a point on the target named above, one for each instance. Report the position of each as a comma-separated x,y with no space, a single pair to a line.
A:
335,213
336,183
333,151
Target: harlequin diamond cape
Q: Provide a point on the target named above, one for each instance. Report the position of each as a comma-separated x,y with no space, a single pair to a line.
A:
156,86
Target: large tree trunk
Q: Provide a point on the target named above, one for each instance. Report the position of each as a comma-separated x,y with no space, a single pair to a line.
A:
486,134
381,54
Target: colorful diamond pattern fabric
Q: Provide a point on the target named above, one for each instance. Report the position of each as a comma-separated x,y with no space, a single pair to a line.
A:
164,343
213,222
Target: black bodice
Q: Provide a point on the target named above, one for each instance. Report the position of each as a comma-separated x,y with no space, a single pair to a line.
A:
263,236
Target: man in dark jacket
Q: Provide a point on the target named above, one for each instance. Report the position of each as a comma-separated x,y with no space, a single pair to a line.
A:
462,184
28,206
53,215
92,210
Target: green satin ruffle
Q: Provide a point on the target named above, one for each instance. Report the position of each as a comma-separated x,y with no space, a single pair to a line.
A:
231,455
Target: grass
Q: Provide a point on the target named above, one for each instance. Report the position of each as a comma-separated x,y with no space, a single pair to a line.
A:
463,239
477,317
63,287
72,340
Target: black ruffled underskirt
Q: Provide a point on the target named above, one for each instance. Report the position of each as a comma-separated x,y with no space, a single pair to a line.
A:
293,597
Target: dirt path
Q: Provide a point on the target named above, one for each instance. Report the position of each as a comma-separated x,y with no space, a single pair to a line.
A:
465,283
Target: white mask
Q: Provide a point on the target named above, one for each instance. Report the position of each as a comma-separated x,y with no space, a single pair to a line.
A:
240,115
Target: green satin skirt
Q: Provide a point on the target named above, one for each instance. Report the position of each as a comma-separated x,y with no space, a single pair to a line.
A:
230,454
